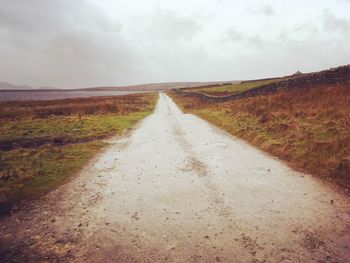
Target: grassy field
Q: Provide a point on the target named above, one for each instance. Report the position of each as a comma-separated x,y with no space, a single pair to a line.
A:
43,143
224,90
309,128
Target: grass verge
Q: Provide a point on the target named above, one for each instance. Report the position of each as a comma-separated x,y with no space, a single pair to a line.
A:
309,128
43,151
225,90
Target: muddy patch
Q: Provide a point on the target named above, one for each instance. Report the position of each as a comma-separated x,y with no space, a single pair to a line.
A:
17,143
194,165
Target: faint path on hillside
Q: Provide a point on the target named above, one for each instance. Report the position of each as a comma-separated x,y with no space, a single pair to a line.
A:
178,189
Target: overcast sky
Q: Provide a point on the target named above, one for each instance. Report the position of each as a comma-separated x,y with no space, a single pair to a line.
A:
84,43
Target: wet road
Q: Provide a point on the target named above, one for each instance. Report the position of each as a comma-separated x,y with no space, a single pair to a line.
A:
177,189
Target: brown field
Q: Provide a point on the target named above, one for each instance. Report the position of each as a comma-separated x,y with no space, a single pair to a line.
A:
308,128
74,106
43,143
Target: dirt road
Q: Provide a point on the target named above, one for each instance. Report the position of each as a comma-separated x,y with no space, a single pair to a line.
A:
179,190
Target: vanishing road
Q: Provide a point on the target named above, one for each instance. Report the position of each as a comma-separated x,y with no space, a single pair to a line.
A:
177,189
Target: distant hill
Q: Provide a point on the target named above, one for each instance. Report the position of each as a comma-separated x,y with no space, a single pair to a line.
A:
48,88
9,86
157,86
140,87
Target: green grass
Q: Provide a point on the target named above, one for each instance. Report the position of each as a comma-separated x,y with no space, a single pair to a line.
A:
32,172
72,126
234,88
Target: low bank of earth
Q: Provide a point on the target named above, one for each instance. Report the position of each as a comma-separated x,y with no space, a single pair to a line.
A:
42,144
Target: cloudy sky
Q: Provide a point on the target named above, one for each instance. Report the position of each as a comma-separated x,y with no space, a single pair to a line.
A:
84,43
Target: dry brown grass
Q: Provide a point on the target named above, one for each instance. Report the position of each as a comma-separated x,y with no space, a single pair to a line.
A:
74,106
307,128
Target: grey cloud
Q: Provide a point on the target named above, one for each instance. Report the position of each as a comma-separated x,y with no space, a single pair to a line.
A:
254,40
257,41
306,28
62,43
169,25
331,23
81,43
265,10
233,35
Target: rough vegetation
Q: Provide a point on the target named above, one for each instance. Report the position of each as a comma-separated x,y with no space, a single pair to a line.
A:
73,106
43,143
222,90
307,127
